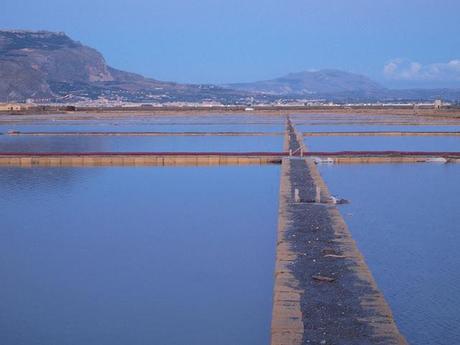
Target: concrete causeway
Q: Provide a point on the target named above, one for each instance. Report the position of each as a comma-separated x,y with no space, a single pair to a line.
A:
324,292
74,159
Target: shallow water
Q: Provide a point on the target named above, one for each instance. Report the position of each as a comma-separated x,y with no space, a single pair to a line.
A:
140,143
371,119
12,143
405,220
189,123
137,255
374,143
102,126
377,128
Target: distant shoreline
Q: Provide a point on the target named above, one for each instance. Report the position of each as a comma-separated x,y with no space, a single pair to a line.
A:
80,112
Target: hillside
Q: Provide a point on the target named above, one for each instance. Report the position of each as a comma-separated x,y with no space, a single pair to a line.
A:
311,83
51,66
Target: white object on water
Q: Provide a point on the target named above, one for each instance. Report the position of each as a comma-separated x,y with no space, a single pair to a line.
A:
441,160
338,201
320,160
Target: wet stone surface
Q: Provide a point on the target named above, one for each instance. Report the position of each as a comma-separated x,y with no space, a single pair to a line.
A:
332,307
340,302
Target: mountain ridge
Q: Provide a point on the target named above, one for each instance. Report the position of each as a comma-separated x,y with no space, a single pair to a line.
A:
50,65
325,81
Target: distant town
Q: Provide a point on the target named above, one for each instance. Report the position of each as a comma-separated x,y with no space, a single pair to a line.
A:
105,104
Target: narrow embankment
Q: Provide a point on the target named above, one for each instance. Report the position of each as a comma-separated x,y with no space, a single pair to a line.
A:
324,292
138,158
218,158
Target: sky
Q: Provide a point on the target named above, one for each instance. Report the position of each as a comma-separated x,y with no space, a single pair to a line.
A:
400,43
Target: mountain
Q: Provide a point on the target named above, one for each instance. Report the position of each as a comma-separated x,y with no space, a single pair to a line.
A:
321,82
31,61
339,86
51,66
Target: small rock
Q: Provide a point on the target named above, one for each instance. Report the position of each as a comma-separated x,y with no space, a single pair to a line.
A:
329,251
323,279
335,256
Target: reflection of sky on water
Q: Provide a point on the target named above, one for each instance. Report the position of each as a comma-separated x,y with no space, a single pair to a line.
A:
137,255
391,143
376,128
139,144
405,220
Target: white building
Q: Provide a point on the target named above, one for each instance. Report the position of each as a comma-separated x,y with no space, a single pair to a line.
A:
10,107
438,104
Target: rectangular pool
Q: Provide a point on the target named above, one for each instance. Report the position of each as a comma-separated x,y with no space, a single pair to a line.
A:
391,143
115,256
13,143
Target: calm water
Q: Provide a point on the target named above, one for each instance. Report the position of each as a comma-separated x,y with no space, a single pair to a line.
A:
370,119
189,123
377,128
372,143
146,144
406,221
139,144
98,126
137,255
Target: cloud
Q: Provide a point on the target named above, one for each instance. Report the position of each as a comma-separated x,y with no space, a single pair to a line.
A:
403,69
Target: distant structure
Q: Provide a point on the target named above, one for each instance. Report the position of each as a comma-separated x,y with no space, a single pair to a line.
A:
438,104
10,107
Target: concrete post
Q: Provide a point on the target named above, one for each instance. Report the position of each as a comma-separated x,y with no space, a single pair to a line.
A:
318,194
296,195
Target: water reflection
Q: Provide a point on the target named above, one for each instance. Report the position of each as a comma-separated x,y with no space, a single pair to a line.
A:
139,144
137,255
377,128
405,221
392,143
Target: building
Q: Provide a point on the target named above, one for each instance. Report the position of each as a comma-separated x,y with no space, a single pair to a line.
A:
10,107
438,104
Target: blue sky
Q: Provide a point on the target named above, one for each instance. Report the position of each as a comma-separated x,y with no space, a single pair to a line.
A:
397,42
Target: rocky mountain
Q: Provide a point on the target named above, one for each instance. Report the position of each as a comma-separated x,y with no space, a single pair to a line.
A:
51,66
307,83
31,61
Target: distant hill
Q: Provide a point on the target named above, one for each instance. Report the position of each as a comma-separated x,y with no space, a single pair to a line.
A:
49,65
340,86
322,82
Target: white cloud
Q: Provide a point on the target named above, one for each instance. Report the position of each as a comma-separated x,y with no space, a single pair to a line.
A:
402,69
